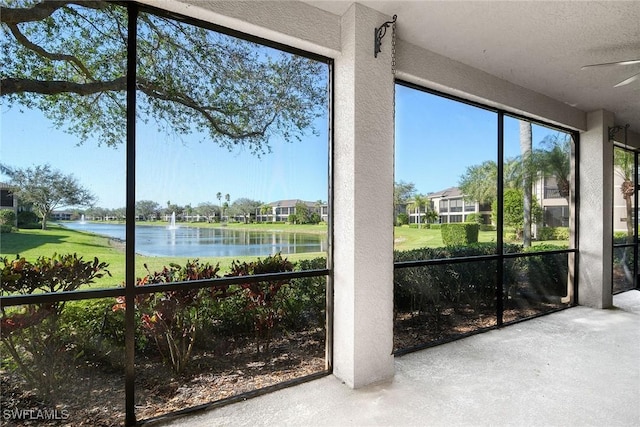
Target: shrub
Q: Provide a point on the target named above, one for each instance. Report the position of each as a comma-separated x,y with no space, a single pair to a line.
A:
436,226
32,334
546,274
7,217
56,274
621,237
545,233
172,318
402,219
433,288
510,237
487,227
474,218
262,302
459,233
96,330
553,233
513,210
5,228
28,220
562,233
304,299
315,218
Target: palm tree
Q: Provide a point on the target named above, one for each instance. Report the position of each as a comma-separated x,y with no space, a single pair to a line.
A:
418,202
227,199
225,206
219,196
480,182
623,162
264,210
431,216
526,159
556,161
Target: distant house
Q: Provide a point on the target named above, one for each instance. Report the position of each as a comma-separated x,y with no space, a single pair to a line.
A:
451,206
8,200
61,215
555,207
280,210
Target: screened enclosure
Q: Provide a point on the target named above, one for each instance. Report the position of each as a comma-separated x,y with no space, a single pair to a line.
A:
152,277
493,197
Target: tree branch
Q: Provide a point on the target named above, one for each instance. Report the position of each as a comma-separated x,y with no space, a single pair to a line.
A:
40,11
11,86
24,41
155,92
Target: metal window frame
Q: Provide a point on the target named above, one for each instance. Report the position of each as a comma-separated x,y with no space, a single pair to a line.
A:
500,256
634,245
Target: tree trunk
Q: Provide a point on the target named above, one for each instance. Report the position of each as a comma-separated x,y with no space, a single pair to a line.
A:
44,219
525,151
628,192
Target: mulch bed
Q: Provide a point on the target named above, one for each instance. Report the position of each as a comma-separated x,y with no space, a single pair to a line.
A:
416,329
93,393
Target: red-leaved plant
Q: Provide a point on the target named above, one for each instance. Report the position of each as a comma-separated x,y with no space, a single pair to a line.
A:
261,297
172,318
32,334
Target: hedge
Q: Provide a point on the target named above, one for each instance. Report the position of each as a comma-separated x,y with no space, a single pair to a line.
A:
459,233
553,233
436,288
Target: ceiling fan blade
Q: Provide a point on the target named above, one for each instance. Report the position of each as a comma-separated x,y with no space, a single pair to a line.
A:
629,80
609,64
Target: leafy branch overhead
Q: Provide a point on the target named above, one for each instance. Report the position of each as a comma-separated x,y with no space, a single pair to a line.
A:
68,59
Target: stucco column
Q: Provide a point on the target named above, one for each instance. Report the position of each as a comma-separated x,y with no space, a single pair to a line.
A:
596,214
363,203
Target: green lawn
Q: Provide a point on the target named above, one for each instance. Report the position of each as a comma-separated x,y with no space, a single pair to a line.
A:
413,238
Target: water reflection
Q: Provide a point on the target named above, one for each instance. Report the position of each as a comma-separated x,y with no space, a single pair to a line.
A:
210,242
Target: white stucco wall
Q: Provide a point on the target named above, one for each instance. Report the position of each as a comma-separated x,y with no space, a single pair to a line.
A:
292,23
596,199
363,204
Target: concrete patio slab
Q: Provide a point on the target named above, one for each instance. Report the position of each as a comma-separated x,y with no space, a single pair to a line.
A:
577,367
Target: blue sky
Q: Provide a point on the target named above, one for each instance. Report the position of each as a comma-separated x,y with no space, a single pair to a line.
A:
436,140
168,169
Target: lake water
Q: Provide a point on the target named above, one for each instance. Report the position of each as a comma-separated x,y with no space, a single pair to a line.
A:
208,242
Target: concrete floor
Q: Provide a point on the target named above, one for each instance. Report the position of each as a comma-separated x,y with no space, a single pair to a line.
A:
578,367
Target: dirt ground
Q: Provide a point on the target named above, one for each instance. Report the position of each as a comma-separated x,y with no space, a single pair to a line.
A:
420,329
93,393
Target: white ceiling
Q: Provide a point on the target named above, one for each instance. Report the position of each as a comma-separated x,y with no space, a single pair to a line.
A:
538,45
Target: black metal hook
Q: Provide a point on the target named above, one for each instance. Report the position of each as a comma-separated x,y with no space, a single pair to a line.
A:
615,129
379,33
